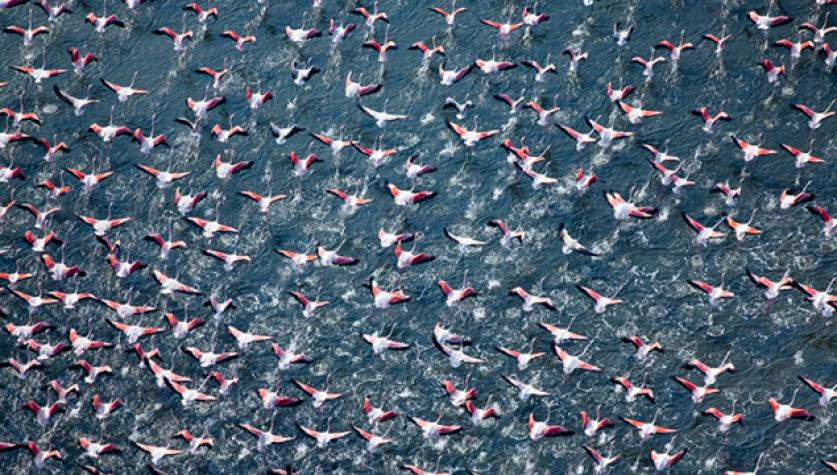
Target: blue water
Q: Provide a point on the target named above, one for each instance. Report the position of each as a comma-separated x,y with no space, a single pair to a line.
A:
771,344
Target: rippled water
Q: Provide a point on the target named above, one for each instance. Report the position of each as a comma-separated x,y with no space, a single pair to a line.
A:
770,344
